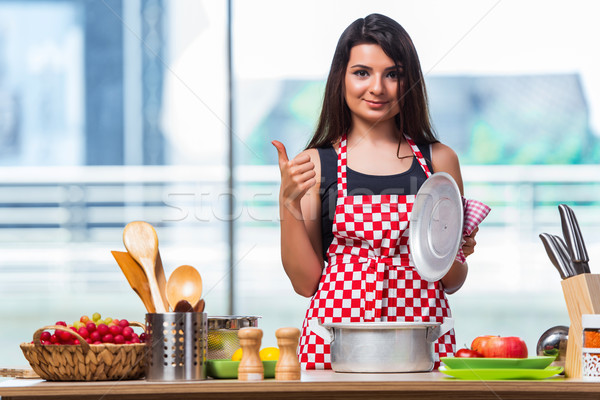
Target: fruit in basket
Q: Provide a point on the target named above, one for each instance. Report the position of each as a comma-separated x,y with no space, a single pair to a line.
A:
102,329
117,331
500,346
74,362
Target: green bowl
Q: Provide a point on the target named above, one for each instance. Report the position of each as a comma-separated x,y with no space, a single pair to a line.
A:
227,369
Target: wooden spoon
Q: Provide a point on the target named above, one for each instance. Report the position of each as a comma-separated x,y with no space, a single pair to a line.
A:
141,242
161,280
136,278
199,307
185,283
183,306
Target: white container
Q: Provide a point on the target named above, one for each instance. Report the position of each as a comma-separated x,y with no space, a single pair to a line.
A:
590,351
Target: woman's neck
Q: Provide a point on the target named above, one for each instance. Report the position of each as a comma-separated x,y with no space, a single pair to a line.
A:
383,132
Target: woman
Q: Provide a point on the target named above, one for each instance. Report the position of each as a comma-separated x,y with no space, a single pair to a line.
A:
345,200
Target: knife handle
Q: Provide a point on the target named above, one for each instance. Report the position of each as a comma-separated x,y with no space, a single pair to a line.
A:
568,229
579,248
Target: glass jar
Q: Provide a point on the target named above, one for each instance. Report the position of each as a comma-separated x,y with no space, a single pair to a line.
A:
591,347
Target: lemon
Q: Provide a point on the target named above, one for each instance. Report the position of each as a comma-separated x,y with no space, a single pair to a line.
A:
269,354
237,355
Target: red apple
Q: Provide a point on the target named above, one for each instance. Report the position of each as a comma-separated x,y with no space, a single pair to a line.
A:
505,347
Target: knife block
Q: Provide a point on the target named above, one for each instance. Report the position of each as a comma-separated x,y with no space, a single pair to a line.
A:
582,295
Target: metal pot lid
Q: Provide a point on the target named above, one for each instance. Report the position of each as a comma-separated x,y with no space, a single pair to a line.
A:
436,224
380,325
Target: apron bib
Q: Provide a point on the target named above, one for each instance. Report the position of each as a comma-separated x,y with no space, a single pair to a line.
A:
369,276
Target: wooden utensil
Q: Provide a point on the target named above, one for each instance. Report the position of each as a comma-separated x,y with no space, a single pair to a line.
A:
185,283
199,307
136,277
183,306
141,242
161,280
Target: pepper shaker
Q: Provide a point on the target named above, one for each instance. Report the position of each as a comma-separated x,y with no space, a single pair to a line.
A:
288,366
251,367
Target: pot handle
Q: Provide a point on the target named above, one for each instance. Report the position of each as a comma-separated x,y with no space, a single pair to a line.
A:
314,325
434,334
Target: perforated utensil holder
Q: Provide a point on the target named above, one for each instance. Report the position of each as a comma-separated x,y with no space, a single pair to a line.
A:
176,344
582,295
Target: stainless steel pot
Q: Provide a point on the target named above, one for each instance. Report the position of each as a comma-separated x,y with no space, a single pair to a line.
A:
381,346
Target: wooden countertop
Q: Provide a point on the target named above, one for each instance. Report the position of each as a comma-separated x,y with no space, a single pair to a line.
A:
313,385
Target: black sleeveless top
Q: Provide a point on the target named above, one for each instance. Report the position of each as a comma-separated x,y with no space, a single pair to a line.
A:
407,182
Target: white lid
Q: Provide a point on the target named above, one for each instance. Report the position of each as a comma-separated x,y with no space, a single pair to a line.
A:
436,224
590,321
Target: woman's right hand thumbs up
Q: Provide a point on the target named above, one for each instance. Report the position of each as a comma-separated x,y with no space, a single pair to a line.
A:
297,176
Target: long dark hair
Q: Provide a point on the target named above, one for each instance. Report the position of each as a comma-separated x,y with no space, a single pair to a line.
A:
413,119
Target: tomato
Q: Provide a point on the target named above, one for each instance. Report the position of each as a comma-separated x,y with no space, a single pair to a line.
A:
468,353
479,342
505,347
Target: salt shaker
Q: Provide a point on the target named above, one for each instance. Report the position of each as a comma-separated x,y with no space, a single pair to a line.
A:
288,366
591,347
251,367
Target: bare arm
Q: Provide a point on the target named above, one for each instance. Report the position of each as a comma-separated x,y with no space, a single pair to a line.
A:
299,212
444,159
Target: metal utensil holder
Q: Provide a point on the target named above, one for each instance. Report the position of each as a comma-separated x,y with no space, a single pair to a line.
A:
176,344
582,295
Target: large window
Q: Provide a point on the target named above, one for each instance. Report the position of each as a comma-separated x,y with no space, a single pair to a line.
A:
118,110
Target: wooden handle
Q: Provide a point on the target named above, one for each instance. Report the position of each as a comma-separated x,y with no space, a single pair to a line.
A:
251,367
288,366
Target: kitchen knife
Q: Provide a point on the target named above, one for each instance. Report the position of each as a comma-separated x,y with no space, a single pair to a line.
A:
552,252
582,254
574,239
567,228
564,255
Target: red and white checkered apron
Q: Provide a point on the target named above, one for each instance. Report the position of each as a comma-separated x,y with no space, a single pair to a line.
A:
369,275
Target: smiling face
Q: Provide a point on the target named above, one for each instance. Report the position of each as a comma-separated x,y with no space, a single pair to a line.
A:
372,82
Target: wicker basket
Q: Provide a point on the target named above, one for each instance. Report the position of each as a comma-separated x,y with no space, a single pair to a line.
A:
85,362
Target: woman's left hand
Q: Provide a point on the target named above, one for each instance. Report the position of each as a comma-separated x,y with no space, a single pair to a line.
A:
468,247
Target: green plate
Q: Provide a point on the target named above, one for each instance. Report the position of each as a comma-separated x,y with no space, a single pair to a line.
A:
489,374
227,369
497,363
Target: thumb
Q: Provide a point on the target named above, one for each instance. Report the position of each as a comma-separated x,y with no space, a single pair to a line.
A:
281,152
